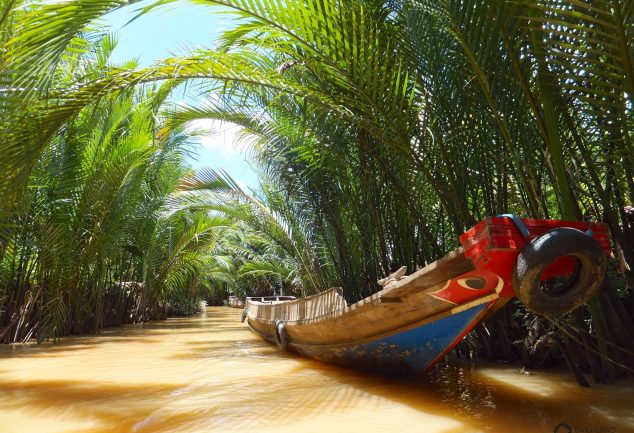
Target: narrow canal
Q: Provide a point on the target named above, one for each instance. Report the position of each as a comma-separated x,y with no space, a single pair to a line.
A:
211,374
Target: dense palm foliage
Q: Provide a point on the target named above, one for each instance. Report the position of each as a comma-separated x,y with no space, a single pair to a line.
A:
383,130
91,241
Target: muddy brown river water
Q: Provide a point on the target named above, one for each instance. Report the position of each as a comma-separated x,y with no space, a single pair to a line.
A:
211,374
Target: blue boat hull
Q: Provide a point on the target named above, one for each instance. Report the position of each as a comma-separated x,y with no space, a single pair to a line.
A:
408,352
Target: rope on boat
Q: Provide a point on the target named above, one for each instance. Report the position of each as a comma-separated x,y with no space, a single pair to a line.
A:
518,223
524,229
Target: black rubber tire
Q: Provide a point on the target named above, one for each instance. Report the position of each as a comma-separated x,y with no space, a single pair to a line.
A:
244,315
281,336
545,249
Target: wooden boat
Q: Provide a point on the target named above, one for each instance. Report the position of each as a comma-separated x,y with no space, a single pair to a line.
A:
235,302
271,299
409,325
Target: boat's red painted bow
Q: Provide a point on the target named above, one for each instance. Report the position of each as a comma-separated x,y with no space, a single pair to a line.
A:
494,244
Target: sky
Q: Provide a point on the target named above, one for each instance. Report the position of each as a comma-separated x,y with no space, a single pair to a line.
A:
169,31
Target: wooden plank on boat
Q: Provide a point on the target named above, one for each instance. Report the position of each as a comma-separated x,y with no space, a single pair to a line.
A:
450,266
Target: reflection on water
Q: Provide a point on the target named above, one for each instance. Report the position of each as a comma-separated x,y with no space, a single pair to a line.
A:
211,374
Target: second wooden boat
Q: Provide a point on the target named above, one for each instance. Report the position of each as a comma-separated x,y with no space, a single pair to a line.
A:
409,325
235,302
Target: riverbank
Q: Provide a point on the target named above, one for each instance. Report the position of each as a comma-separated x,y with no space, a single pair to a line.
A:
209,373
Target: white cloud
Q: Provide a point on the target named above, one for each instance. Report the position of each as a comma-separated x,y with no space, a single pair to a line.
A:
216,135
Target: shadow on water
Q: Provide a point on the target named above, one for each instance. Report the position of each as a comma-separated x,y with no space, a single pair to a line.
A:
492,397
114,407
486,397
210,373
132,333
500,397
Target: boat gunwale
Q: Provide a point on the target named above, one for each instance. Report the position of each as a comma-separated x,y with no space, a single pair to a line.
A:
453,255
251,299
